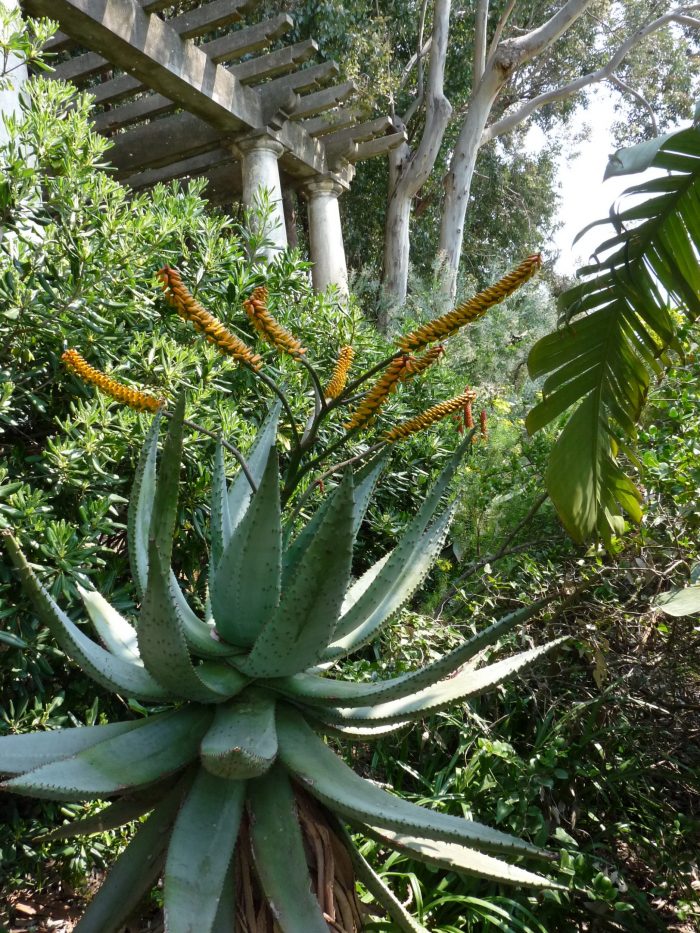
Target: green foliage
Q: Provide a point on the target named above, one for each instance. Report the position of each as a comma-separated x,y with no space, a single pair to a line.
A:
618,326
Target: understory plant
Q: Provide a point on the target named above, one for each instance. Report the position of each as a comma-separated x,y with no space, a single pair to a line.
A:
243,808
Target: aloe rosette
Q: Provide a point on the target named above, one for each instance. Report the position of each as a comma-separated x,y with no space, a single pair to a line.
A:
230,765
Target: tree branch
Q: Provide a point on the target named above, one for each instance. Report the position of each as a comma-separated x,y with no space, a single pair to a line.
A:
500,26
480,39
538,40
510,121
626,89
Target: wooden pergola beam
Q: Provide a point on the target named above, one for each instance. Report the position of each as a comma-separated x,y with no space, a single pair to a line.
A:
162,142
60,42
274,63
303,80
376,147
197,22
331,121
195,165
232,45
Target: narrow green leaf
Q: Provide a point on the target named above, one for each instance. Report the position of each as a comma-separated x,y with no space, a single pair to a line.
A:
220,516
124,810
134,873
21,753
200,853
104,668
245,590
117,635
141,506
242,740
280,859
295,636
154,748
384,896
200,637
330,780
240,492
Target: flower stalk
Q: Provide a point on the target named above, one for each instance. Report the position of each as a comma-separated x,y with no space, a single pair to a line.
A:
270,330
428,417
134,398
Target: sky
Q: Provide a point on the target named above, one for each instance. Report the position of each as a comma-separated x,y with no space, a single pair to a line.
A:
585,197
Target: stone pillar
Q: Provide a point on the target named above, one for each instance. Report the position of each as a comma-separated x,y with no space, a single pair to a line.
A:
9,97
326,235
261,173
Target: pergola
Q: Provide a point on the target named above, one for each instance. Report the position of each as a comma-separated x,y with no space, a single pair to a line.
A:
198,93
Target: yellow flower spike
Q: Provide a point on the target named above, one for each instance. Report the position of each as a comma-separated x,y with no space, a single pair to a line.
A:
428,417
269,329
339,377
191,310
417,365
378,394
141,401
471,310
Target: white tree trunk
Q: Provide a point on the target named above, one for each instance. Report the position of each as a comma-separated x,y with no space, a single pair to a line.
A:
396,255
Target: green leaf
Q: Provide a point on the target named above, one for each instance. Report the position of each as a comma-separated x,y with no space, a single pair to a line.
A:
113,673
309,688
117,635
152,749
21,753
240,492
280,859
619,327
384,896
220,516
141,507
200,853
325,776
245,591
453,857
404,572
200,637
467,684
124,810
242,740
134,873
161,638
681,602
295,636
164,515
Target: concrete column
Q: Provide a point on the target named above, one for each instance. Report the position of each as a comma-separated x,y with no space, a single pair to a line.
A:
261,173
326,235
9,96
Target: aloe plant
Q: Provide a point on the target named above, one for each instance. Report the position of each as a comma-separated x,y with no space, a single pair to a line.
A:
230,763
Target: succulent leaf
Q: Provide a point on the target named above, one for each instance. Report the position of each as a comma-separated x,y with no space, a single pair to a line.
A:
220,515
150,750
123,810
280,860
200,853
223,679
117,635
242,740
141,506
103,667
323,691
453,857
245,591
22,753
225,920
164,513
294,637
240,492
329,779
362,584
162,643
396,582
365,481
135,871
384,896
200,637
462,686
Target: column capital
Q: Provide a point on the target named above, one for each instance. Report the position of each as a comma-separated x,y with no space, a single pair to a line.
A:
258,143
323,184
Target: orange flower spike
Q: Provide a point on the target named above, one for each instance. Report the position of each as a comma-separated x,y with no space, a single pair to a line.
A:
339,376
140,401
214,331
483,426
378,394
269,329
417,365
428,417
471,310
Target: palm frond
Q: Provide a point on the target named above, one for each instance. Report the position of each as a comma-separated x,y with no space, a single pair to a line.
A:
618,324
